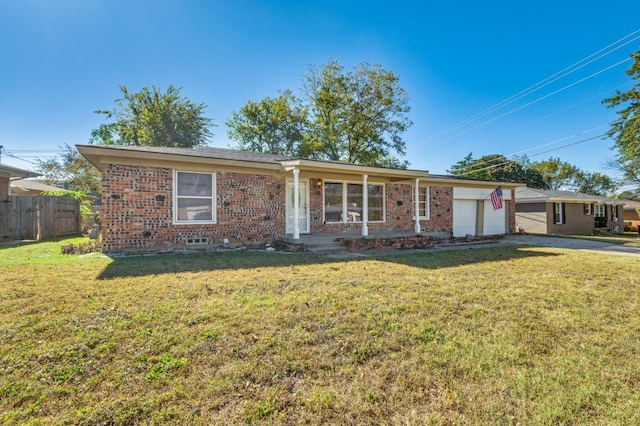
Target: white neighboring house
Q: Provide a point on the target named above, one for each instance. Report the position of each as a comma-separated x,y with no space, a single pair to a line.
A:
9,174
31,187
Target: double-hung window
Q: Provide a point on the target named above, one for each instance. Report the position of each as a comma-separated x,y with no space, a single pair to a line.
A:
598,210
194,197
344,202
558,213
423,203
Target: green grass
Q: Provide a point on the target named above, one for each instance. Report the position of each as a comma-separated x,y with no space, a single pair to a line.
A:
484,336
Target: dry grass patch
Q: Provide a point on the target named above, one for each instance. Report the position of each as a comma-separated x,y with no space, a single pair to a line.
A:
483,336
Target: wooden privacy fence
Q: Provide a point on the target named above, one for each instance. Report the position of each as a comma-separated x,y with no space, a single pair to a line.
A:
36,217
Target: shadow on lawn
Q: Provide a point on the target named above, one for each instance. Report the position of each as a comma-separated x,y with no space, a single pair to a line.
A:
197,262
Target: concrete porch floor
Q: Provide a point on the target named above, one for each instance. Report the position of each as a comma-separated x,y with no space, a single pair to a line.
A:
318,238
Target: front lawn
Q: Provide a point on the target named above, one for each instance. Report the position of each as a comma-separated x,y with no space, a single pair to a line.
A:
480,336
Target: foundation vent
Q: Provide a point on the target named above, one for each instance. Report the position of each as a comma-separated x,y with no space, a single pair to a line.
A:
197,241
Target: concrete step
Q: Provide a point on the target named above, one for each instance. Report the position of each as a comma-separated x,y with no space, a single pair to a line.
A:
326,249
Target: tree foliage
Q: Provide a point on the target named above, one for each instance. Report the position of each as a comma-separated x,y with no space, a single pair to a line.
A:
357,116
73,170
626,129
560,175
271,125
552,174
498,168
153,118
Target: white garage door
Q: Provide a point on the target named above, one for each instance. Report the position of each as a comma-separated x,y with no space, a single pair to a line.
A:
494,220
464,217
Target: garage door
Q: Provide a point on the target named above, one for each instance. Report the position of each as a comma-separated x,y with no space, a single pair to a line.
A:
494,220
464,217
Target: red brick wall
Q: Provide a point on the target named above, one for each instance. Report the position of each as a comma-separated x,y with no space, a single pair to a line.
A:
4,185
399,211
137,205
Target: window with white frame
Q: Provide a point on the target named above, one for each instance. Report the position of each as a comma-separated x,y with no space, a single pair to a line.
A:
587,209
194,197
344,202
599,211
614,213
423,203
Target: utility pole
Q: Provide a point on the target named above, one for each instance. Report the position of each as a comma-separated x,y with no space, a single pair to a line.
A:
1,148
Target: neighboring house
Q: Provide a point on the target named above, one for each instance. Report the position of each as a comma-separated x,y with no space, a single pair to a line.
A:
631,214
31,187
9,173
164,198
562,212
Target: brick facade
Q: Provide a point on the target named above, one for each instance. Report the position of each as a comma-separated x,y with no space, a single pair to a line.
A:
137,206
399,208
4,185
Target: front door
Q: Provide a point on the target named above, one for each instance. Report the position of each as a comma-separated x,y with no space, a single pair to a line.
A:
303,211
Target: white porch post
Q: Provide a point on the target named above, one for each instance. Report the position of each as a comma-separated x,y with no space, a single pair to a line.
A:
365,206
417,205
296,204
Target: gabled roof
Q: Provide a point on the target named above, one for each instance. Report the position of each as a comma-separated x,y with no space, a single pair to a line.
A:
530,195
14,172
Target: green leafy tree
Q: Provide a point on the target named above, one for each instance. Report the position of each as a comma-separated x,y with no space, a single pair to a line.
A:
626,129
271,125
628,195
357,116
153,118
560,175
72,170
595,184
557,174
498,168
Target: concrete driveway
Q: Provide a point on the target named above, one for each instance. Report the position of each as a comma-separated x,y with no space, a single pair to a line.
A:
570,243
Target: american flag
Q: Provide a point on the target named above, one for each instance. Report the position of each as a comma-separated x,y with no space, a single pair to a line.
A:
496,198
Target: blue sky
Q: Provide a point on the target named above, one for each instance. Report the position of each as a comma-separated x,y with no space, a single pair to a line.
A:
63,59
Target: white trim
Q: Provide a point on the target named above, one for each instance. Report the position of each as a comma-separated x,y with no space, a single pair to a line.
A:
344,184
365,205
296,204
288,205
174,212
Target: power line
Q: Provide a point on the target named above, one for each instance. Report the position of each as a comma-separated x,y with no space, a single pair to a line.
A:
543,83
531,102
535,155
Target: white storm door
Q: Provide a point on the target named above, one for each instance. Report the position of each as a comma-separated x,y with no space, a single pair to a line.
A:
303,211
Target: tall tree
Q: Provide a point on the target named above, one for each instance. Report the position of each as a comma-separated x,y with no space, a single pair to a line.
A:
153,118
560,175
72,170
557,174
271,125
498,168
356,116
626,129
